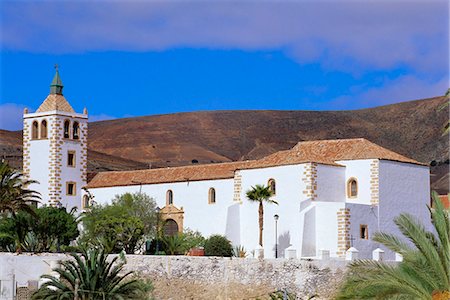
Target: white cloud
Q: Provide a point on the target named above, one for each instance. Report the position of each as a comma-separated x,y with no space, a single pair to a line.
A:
341,35
404,88
11,116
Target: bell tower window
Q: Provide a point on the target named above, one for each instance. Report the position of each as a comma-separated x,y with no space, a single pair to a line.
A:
70,189
44,129
71,159
34,131
66,129
76,129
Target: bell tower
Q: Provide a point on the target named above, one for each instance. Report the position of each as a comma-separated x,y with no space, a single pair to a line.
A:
55,149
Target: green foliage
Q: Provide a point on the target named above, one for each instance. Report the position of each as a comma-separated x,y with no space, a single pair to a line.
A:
91,276
218,245
141,206
55,227
174,245
177,244
260,193
121,225
14,196
192,239
49,228
13,230
424,271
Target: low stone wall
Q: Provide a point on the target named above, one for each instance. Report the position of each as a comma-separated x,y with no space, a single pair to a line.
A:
187,277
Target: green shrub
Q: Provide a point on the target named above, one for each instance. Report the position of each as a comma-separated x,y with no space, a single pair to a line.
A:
217,245
174,245
192,239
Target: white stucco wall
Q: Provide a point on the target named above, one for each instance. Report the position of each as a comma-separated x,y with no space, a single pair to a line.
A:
209,219
331,183
289,195
404,188
363,214
360,170
326,224
39,158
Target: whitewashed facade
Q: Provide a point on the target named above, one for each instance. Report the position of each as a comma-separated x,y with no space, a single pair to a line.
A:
319,206
55,149
307,223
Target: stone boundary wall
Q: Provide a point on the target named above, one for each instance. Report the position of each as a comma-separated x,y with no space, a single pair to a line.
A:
187,277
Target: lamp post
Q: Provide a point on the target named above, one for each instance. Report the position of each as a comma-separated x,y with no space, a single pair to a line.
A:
158,210
276,217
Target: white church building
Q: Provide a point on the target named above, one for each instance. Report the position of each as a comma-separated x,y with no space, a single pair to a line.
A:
331,194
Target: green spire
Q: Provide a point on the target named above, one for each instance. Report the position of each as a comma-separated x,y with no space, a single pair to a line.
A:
56,86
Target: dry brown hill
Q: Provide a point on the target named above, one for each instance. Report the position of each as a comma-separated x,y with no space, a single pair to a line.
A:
413,129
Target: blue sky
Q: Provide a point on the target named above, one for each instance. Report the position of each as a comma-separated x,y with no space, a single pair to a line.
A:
137,58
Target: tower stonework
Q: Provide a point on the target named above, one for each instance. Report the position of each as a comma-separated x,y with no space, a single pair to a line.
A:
55,149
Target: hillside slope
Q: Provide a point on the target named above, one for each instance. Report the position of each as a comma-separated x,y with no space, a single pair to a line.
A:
410,128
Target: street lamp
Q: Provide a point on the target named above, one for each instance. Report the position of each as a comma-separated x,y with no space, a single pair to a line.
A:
276,217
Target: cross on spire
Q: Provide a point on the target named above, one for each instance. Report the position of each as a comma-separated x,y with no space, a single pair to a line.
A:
56,86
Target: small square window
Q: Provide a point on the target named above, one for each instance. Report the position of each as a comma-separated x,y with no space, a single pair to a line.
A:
71,159
363,232
71,189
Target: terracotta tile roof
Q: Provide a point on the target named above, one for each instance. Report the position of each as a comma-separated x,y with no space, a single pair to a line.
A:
55,102
288,157
323,152
165,175
347,149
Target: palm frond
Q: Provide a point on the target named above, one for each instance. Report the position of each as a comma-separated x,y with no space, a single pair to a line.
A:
94,277
423,271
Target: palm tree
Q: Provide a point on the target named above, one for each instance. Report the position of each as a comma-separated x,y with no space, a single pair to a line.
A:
260,194
91,276
424,272
14,195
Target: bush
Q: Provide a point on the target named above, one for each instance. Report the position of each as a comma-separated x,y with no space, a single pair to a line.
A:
123,225
51,228
217,245
192,239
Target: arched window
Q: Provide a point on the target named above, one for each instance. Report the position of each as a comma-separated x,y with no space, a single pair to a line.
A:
44,129
170,227
169,197
76,131
34,131
352,188
272,186
85,201
212,196
66,129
